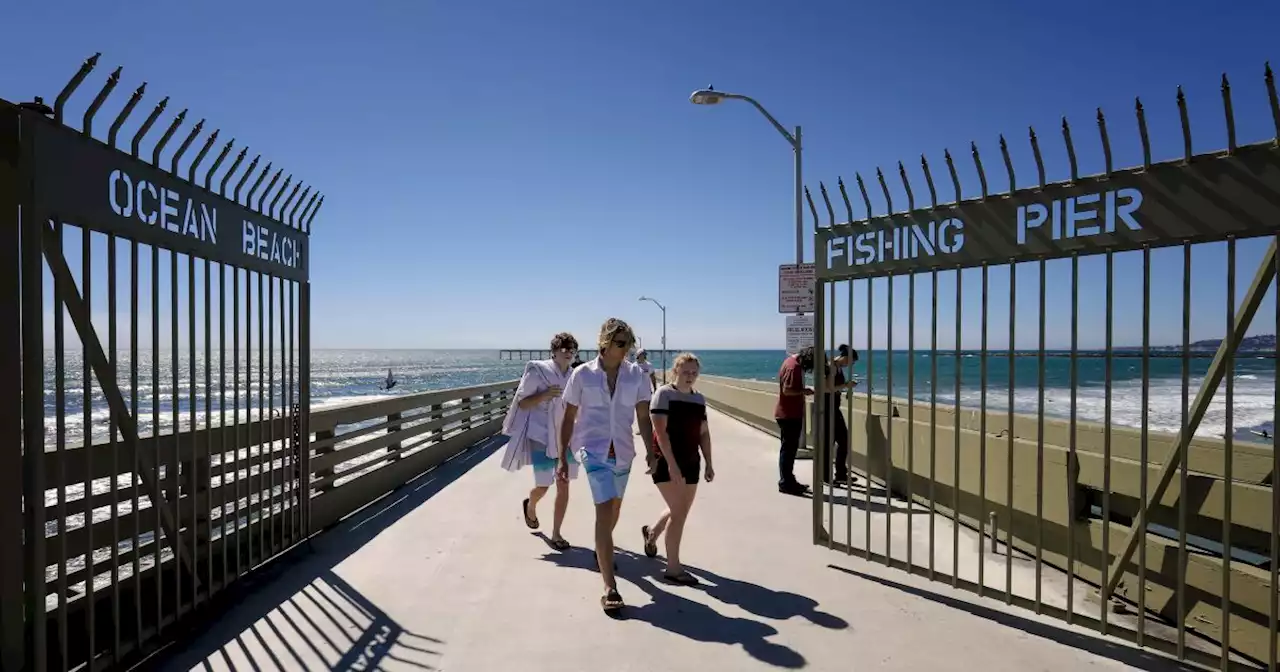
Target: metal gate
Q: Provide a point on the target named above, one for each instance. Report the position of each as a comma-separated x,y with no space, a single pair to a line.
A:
1121,529
154,331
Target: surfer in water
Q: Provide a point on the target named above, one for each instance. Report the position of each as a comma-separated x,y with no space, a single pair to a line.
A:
390,382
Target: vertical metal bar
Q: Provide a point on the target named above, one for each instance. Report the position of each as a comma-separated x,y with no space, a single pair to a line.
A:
933,418
136,446
911,406
1142,445
1072,458
271,410
1228,441
222,418
293,412
982,436
206,463
1230,115
1040,450
1186,125
114,359
955,415
1182,458
12,645
235,414
157,533
1105,601
871,383
193,431
86,406
848,485
248,430
1274,602
263,549
60,445
33,430
830,420
175,485
304,393
1009,445
888,421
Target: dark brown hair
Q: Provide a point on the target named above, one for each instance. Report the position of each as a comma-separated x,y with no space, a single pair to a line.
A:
564,339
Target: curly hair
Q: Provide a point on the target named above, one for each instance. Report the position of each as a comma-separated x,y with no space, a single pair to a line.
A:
612,328
563,340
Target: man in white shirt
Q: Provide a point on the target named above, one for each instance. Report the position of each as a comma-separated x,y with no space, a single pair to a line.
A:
601,399
642,361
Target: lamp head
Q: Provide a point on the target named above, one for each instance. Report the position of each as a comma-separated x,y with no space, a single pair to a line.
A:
707,96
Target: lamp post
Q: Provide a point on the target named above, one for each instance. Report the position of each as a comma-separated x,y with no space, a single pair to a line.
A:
709,96
664,334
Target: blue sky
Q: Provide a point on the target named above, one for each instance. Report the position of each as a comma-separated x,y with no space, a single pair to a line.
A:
496,172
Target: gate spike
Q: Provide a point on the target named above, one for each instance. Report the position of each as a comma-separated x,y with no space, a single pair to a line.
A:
1106,141
204,151
146,125
1035,150
1142,132
862,187
186,144
222,189
124,113
1071,149
248,172
1186,125
1275,104
808,197
307,229
98,100
928,177
306,211
1008,164
285,207
248,199
831,214
1231,117
85,68
977,162
222,156
845,196
168,135
906,184
293,214
267,192
888,200
951,166
271,209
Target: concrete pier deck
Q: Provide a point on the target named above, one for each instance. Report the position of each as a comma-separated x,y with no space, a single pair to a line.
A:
443,575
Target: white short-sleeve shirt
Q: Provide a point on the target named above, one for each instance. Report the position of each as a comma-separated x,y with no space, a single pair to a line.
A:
602,419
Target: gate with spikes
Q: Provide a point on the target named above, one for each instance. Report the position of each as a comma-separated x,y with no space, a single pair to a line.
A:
164,450
1164,536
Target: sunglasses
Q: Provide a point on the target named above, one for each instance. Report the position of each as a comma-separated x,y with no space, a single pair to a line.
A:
624,344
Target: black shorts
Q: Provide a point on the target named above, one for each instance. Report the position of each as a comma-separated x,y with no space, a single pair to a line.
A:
690,467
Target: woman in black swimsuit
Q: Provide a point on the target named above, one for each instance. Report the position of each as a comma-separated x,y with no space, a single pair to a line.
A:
684,440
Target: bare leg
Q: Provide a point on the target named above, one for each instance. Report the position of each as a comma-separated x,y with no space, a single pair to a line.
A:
606,518
536,495
679,497
562,505
660,526
617,514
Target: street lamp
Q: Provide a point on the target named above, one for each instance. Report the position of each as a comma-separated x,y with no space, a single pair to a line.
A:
664,334
709,96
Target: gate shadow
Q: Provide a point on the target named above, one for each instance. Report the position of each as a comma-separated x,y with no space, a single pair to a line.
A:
296,612
1139,659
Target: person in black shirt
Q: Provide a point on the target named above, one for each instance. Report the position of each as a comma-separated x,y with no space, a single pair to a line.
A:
683,439
836,382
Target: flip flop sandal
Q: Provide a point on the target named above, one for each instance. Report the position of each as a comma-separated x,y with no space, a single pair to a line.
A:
611,602
532,523
650,547
683,579
559,544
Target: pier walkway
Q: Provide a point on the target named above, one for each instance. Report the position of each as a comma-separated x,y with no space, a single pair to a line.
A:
442,574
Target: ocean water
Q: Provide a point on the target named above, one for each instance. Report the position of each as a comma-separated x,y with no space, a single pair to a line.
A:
345,376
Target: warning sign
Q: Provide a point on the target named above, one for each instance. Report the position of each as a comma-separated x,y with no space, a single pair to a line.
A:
796,288
799,332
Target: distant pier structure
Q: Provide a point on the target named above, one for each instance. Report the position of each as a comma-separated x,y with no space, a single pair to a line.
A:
526,355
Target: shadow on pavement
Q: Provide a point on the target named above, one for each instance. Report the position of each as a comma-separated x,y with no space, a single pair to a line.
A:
668,610
1137,658
297,610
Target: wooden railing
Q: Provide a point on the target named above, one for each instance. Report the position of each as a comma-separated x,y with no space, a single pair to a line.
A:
238,500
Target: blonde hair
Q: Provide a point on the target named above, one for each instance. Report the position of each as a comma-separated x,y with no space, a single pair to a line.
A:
611,328
683,358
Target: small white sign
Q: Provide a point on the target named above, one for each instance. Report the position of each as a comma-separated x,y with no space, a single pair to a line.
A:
799,332
796,288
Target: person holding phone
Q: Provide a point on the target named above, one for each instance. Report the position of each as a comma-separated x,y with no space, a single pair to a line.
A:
836,384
